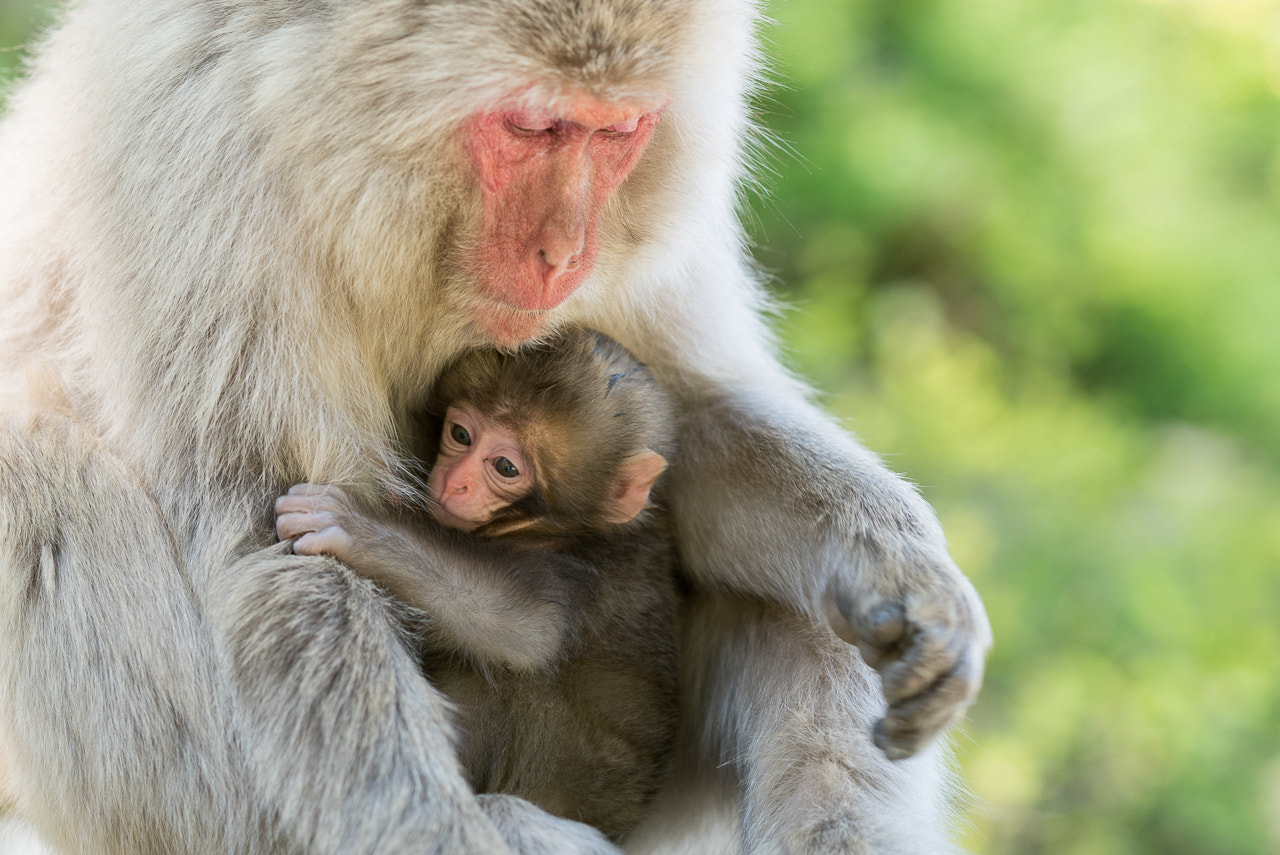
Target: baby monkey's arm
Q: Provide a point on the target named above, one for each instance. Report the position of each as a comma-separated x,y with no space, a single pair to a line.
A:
494,602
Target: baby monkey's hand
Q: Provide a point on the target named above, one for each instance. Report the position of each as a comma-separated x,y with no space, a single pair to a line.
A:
320,519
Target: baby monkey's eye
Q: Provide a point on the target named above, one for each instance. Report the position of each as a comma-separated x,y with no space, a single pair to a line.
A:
505,467
459,434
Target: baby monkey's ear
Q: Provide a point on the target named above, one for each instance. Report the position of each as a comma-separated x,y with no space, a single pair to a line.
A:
630,491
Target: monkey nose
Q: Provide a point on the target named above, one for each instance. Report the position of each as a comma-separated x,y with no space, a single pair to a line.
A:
561,240
560,260
558,281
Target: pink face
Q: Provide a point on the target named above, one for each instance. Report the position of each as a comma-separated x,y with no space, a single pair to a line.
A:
480,470
545,177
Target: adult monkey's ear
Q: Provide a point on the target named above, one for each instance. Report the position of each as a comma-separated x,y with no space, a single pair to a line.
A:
630,490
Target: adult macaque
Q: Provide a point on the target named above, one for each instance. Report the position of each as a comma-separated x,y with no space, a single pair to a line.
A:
246,236
553,633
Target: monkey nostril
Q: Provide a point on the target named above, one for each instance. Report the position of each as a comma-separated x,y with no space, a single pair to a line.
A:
562,264
561,252
557,266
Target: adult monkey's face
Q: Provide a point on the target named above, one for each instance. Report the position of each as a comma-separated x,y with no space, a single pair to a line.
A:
545,173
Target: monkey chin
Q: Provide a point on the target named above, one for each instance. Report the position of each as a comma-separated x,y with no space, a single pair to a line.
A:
509,327
449,520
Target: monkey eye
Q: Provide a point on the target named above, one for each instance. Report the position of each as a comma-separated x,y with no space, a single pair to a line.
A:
530,123
505,467
627,126
459,434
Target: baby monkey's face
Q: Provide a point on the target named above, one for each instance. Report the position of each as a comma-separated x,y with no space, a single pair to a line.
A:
481,469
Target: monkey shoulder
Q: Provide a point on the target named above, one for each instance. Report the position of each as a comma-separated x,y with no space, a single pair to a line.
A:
632,559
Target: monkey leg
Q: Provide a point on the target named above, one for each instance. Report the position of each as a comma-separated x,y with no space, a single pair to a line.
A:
793,708
344,732
17,838
113,716
696,812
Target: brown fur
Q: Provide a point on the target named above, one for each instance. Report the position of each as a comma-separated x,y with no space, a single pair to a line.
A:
591,735
585,404
238,234
586,728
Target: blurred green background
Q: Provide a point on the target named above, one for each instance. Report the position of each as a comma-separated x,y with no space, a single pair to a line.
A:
1033,251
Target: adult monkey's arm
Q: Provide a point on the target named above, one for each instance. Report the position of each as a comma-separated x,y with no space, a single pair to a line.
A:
774,500
788,530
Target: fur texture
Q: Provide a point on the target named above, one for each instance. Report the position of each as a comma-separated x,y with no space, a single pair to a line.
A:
236,232
555,641
585,406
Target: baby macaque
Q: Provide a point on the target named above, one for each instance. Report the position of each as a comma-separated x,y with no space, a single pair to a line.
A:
545,575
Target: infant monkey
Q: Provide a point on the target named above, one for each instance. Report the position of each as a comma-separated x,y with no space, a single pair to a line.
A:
546,577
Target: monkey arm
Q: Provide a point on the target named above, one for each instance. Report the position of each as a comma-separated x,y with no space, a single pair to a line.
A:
772,499
498,603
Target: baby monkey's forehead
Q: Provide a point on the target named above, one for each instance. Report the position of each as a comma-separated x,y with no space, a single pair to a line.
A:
552,439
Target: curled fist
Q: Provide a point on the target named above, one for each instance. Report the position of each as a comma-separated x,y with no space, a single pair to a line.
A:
928,638
321,520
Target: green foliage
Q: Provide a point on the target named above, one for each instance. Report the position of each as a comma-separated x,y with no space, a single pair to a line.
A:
18,20
1032,248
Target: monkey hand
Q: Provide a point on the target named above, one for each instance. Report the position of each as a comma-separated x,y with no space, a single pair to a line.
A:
321,520
927,634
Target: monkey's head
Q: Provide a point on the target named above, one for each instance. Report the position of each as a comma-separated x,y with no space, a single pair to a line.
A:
486,159
569,435
549,153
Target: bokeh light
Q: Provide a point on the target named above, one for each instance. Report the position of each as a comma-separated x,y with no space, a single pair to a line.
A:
1033,251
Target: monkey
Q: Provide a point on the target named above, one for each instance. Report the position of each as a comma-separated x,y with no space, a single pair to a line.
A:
246,236
557,652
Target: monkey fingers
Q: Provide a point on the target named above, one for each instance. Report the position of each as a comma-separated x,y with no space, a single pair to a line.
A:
316,516
913,722
295,523
319,492
929,649
330,540
912,644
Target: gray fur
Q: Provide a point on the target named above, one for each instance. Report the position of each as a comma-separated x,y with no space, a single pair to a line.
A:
234,232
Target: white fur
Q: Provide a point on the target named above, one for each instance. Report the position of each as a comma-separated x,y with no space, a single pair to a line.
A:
234,231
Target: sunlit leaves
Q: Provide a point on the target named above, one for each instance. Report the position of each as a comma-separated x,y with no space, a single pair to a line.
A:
1036,253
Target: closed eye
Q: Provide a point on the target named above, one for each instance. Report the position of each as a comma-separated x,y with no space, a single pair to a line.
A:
530,123
622,128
